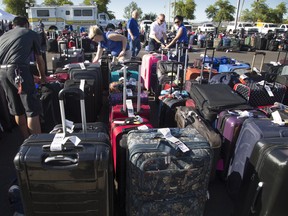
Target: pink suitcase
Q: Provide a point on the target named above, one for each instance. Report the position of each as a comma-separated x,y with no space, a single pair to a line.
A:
149,67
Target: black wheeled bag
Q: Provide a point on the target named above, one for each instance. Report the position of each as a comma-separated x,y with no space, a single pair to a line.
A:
212,99
68,178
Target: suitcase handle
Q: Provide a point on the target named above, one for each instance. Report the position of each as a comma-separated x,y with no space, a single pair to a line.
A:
132,62
211,64
256,197
60,49
170,148
282,51
61,96
262,60
61,161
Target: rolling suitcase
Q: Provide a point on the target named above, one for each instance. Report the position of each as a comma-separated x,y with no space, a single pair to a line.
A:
121,110
66,178
265,191
252,131
229,123
149,67
212,99
189,117
162,175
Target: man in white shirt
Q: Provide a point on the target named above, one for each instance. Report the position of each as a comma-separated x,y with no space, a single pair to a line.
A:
157,36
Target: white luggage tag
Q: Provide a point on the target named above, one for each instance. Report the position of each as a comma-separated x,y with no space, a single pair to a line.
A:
69,126
277,118
59,140
129,92
130,109
168,136
82,66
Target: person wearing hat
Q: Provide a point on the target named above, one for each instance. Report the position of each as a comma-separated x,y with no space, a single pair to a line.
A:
111,42
16,79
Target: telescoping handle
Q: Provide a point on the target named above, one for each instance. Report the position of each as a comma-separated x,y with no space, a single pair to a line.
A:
209,62
60,48
138,84
282,51
80,93
262,60
172,77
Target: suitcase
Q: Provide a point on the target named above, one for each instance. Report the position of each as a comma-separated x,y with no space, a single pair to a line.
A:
93,104
161,178
261,43
228,78
189,117
261,95
68,178
121,110
265,190
252,131
149,67
52,45
212,99
229,123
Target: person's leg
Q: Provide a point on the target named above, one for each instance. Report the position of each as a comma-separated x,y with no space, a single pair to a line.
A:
151,45
137,46
34,125
22,123
132,47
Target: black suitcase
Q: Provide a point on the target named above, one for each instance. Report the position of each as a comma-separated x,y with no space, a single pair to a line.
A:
212,99
93,104
265,190
261,43
69,179
52,45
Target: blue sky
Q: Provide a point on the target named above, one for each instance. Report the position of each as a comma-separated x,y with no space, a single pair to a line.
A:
162,6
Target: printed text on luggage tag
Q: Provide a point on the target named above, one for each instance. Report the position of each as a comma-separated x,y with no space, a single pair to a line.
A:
59,140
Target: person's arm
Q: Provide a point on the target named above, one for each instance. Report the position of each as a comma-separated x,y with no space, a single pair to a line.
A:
98,54
119,37
130,33
178,35
41,67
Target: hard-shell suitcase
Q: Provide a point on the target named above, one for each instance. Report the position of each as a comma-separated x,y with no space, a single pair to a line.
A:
265,190
149,67
93,105
229,123
121,110
189,117
261,43
212,99
161,175
232,67
69,178
252,131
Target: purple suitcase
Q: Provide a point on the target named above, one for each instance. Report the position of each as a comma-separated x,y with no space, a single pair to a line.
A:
229,124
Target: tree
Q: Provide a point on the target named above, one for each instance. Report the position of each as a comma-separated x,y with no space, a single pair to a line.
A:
222,10
57,2
16,7
130,8
101,6
186,9
149,16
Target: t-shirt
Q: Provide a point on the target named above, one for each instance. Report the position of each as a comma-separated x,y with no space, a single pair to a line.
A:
115,47
183,38
134,28
17,44
157,30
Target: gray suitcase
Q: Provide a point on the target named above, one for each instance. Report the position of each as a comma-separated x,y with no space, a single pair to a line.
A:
161,179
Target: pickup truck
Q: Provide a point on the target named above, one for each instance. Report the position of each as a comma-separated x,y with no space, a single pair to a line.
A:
249,28
267,27
206,27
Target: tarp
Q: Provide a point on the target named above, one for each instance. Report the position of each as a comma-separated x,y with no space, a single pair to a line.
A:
6,16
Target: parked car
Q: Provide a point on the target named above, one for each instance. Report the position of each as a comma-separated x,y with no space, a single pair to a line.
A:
248,27
284,26
206,27
266,27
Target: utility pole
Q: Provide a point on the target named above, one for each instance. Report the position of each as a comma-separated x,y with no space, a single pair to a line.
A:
237,14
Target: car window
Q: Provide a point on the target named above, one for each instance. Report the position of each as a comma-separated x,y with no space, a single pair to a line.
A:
248,25
209,25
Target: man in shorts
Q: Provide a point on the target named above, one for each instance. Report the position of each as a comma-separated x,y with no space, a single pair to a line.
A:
16,46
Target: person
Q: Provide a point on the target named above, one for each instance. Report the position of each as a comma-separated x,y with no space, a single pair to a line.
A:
111,41
181,35
157,36
17,81
133,34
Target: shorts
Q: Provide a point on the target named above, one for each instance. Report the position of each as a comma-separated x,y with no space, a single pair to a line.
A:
27,102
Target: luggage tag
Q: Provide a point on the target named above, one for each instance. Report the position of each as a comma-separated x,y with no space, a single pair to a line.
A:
60,139
129,92
82,66
168,136
277,118
130,109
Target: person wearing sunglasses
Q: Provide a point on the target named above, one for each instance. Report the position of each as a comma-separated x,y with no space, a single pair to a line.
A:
111,41
181,35
157,36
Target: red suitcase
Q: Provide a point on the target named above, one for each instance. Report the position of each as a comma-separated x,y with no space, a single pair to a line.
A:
121,111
